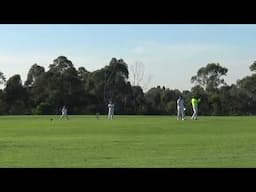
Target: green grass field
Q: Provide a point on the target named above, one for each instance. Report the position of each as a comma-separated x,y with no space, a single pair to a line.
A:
127,141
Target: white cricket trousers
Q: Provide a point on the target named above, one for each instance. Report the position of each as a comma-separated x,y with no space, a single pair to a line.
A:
110,113
181,113
195,110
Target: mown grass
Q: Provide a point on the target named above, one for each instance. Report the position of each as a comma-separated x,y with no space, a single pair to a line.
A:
127,141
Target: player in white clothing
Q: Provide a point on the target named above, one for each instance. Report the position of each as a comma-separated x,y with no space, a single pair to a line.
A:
64,112
180,108
111,107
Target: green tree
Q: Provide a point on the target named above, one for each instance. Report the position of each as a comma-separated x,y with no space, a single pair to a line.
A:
34,72
2,78
248,90
138,99
111,83
153,100
64,85
253,67
16,96
210,77
36,86
3,105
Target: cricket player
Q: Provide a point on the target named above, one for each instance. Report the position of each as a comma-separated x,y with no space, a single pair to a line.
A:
180,108
64,112
111,107
195,102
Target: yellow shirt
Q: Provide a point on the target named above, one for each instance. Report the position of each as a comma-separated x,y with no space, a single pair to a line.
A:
195,102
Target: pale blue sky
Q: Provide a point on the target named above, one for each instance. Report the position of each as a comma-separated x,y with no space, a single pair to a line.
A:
171,54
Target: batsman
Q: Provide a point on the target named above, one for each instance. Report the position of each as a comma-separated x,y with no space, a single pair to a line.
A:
195,102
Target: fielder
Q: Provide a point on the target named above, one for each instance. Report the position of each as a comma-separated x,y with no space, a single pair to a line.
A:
64,112
111,107
180,108
195,103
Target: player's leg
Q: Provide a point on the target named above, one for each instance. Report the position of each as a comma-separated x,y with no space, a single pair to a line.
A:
194,113
109,114
112,113
178,113
182,114
196,109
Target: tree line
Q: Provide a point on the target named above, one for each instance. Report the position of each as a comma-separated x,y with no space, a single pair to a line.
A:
85,92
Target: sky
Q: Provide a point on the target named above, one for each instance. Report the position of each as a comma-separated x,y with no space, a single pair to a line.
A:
171,54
